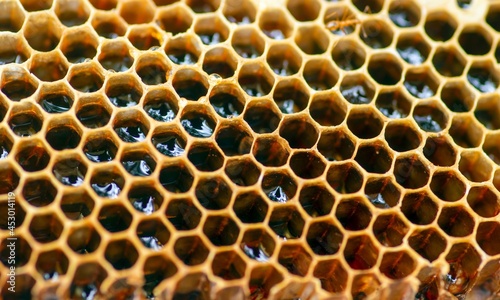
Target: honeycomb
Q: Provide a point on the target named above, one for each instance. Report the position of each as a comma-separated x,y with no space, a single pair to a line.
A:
230,149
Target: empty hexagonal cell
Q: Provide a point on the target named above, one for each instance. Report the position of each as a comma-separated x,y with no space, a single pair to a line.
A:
100,147
221,230
145,37
487,112
365,123
184,50
439,151
115,56
270,151
279,186
397,265
156,269
286,222
457,97
72,13
22,252
385,69
291,96
348,55
219,61
483,77
248,42
336,145
257,244
242,171
357,89
198,121
295,259
121,254
176,177
52,264
304,11
345,178
464,262
183,214
327,109
475,166
382,193
411,172
86,78
55,99
213,193
87,280
475,40
131,126
404,14
25,120
136,11
486,237
84,239
228,265
447,186
402,136
307,165
108,24
312,39
18,84
283,59
419,208
353,214
114,217
456,221
440,25
275,24
39,192
421,83
211,30
107,183
32,156
227,100
42,31
145,199
190,84
48,66
63,133
77,205
390,229
376,33
169,142
239,12
45,228
448,61
340,20
11,16
413,48
324,238
484,201
316,200
428,243
299,132
153,234
360,252
138,162
262,280
161,105
255,79
205,157
332,275
374,158
262,116
15,49
152,68
430,117
320,74
175,19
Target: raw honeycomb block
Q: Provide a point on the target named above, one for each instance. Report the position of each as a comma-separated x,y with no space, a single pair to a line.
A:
257,149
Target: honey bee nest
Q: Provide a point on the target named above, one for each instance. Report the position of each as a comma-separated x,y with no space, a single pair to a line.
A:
231,149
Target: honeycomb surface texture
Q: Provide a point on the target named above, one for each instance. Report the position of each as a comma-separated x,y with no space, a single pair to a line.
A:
230,149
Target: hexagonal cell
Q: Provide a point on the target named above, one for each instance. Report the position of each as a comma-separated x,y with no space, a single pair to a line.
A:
283,59
131,126
299,132
25,120
440,25
169,142
376,33
190,84
402,136
183,50
175,19
411,172
257,244
336,145
156,269
213,193
374,158
487,112
332,275
248,42
107,183
428,243
340,20
483,77
15,49
390,229
397,265
183,214
87,280
448,61
11,16
345,178
220,61
52,264
365,123
286,222
484,201
42,31
86,78
242,171
198,121
447,186
211,30
419,208
22,252
138,162
291,96
71,12
413,48
464,262
348,55
357,89
328,109
279,186
475,166
205,156
100,147
32,156
250,207
365,285
486,237
239,12
145,199
271,151
385,69
307,165
48,66
295,259
421,82
304,11
320,74
153,234
262,280
55,99
77,205
456,221
161,105
203,6
115,55
114,217
353,214
475,40
457,97
382,193
262,116
136,11
255,79
228,265
312,39
121,254
227,100
404,14
84,239
176,177
108,24
145,37
439,151
39,192
18,84
221,230
324,238
361,253
316,200
431,116
45,228
275,24
63,133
